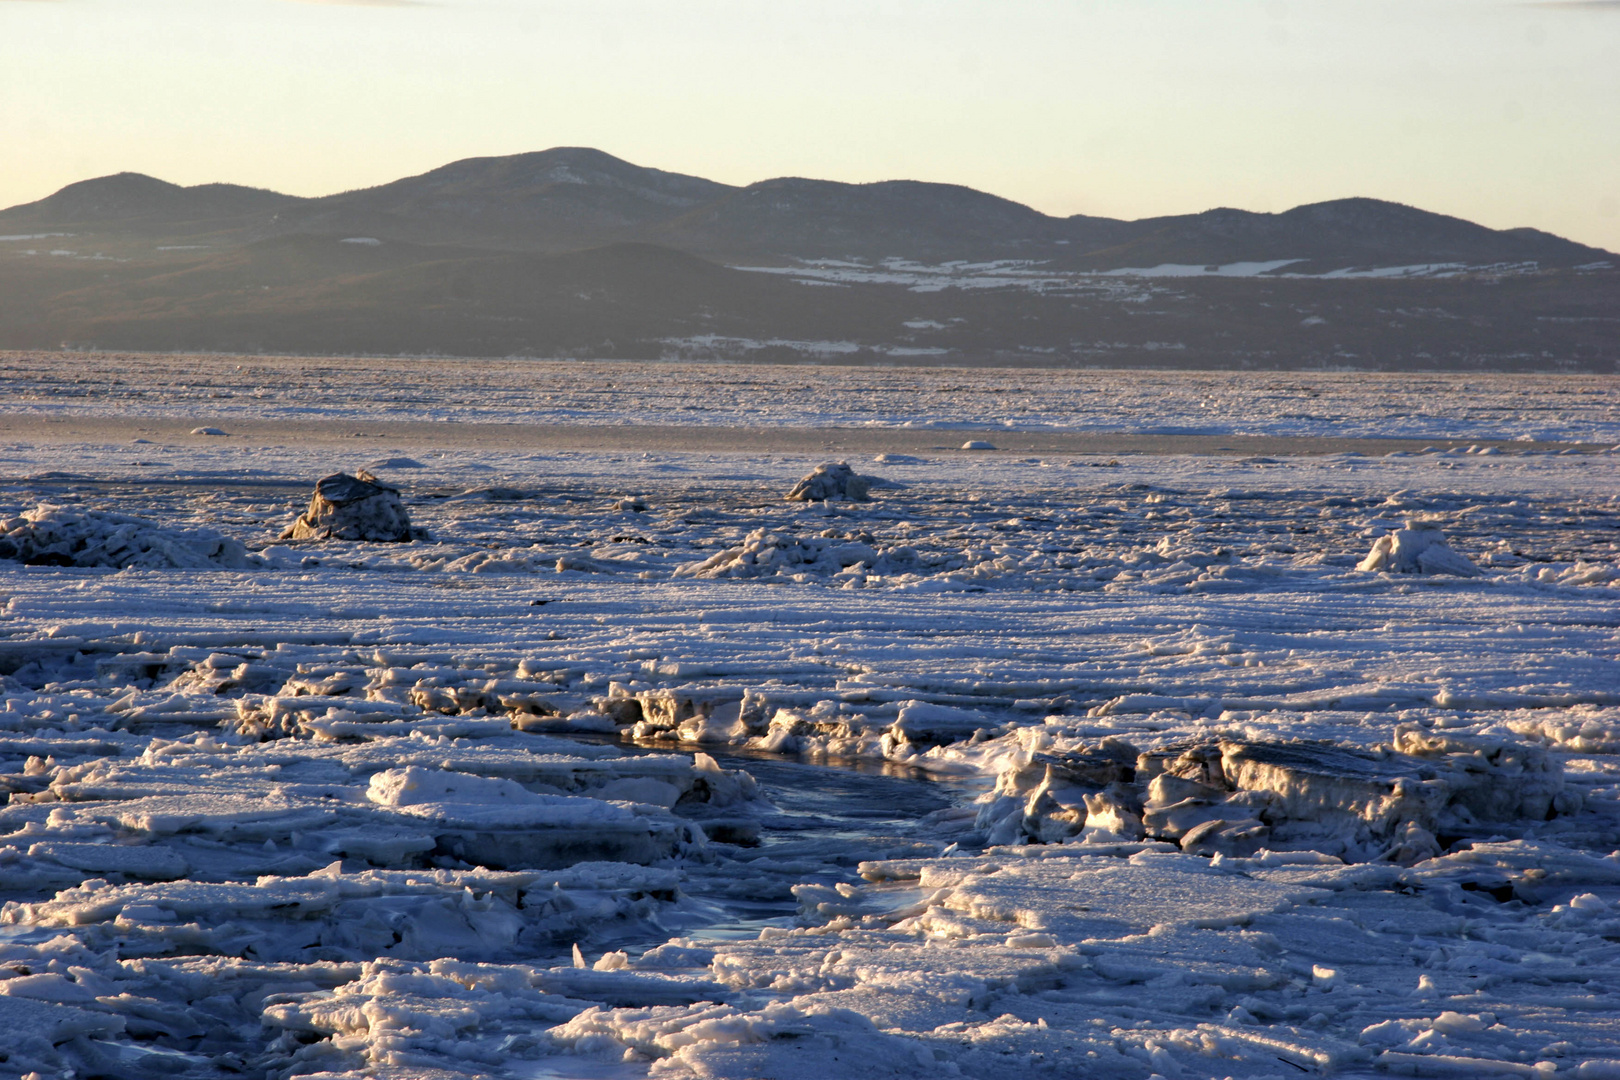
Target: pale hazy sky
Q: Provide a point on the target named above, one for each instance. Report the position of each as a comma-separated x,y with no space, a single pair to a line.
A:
1507,113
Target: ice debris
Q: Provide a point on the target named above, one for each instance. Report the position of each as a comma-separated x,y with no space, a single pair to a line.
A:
1236,796
1420,548
834,480
64,536
347,507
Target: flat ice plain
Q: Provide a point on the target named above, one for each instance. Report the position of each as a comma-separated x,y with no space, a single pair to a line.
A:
1102,760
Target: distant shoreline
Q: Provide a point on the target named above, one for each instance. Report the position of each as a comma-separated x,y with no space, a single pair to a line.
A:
908,363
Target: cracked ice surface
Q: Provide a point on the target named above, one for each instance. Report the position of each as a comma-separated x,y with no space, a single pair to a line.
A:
563,792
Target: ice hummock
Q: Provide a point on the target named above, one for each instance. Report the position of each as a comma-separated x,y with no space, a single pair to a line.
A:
348,507
68,536
834,480
1420,548
766,553
1237,796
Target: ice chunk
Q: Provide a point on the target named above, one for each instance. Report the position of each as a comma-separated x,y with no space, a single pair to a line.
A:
499,823
928,724
466,799
151,863
1233,796
641,790
54,1022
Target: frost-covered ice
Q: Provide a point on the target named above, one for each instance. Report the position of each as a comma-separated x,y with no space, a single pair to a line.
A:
1024,767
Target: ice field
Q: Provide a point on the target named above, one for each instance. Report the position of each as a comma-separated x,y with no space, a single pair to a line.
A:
1572,408
1057,765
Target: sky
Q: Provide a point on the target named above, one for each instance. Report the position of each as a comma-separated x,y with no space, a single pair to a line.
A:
1505,113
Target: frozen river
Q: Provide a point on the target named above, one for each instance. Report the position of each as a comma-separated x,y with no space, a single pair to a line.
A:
1056,760
1568,408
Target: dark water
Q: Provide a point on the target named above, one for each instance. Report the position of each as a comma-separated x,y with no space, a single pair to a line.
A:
829,817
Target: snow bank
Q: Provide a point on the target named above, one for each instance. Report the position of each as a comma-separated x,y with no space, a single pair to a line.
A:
66,536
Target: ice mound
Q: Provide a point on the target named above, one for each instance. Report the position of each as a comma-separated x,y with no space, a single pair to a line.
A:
62,536
346,507
834,480
1420,548
764,554
1234,796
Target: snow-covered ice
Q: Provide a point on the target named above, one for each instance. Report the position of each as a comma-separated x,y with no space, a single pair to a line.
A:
230,390
1180,766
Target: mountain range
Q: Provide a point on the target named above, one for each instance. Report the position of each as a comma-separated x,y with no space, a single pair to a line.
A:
573,252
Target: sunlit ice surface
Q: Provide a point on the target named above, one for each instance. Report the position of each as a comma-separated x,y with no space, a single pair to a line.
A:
1111,761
